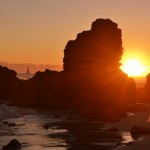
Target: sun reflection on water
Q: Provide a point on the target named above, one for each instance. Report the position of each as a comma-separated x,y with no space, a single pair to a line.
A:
127,138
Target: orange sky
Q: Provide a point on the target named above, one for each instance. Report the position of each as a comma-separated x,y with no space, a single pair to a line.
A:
36,31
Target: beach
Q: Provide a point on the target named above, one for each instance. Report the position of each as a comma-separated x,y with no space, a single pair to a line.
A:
37,129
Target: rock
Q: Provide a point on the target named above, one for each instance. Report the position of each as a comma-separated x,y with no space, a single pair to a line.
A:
21,124
9,84
91,81
11,124
130,143
5,122
119,144
97,49
89,62
146,89
57,116
138,130
46,127
13,145
137,107
113,129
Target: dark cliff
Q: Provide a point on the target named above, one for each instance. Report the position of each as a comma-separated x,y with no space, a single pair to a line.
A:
91,82
91,65
10,85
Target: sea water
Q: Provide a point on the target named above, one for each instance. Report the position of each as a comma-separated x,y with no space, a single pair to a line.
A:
47,130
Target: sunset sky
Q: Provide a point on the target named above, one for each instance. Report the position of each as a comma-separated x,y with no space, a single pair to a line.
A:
36,31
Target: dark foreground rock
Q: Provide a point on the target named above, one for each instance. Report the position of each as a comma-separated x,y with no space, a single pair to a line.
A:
138,130
13,145
113,129
137,107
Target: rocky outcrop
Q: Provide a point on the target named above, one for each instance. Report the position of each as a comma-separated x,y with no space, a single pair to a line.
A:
137,107
99,49
44,90
145,92
138,130
112,129
91,82
91,66
13,145
9,84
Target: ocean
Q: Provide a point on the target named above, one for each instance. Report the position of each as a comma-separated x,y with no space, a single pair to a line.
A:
48,130
43,130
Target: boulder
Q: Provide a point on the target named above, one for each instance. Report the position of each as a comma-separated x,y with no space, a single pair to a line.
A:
138,130
113,129
13,145
137,107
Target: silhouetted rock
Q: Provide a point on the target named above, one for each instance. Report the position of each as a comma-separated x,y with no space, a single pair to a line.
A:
13,145
137,107
145,92
5,122
11,124
9,84
91,82
138,130
113,129
44,90
93,77
99,49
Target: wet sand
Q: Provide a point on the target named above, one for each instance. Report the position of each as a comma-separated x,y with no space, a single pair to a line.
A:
38,130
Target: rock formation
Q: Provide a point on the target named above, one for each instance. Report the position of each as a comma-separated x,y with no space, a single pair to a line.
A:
98,49
91,64
91,82
44,90
13,145
9,84
144,93
139,130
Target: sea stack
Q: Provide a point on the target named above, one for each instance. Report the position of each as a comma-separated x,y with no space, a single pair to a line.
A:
91,65
97,49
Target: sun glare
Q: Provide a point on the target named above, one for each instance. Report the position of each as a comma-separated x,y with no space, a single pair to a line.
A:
134,68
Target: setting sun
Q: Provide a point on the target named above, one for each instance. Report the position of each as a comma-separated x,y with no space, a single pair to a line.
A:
134,68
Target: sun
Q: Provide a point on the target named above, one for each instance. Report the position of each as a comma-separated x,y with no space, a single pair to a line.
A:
133,68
